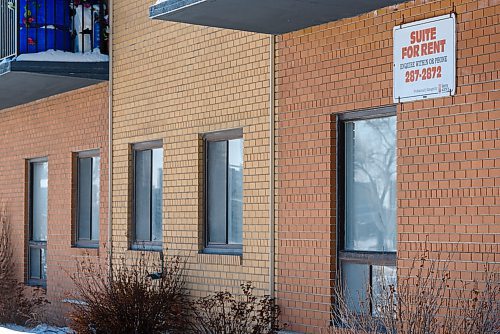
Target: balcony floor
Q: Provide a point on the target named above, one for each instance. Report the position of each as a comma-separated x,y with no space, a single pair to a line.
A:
263,16
26,81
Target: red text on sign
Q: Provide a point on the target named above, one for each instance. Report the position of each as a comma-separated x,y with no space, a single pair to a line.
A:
423,74
424,49
419,36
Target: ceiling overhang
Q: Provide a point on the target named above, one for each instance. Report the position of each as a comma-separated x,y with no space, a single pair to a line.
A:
26,81
263,16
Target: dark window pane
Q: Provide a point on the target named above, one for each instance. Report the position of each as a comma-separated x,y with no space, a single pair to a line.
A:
235,192
157,189
355,278
217,191
370,184
39,188
38,263
84,198
96,187
142,195
35,263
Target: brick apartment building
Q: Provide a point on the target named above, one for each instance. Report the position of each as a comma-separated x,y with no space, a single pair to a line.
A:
53,143
335,121
446,186
269,147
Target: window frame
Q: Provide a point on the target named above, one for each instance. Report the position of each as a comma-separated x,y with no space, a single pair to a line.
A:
218,248
42,245
144,245
369,258
85,243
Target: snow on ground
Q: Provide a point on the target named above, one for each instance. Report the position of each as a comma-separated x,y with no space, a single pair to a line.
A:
40,329
52,55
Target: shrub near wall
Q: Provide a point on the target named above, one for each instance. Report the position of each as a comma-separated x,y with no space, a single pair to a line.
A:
149,296
427,301
144,296
18,304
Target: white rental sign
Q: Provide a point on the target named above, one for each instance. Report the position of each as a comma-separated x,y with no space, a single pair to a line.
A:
424,59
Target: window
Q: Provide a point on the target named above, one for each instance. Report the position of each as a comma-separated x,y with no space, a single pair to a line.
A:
38,201
88,188
224,191
148,194
367,204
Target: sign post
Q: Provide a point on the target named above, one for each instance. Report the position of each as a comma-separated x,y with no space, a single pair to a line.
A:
425,59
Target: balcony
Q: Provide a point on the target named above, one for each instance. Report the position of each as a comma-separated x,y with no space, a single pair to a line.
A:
49,47
262,16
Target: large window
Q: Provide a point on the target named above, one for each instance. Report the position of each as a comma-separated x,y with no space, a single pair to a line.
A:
38,201
148,194
224,191
88,187
367,204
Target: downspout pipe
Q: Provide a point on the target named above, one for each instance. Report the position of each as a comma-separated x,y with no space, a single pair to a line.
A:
110,140
272,42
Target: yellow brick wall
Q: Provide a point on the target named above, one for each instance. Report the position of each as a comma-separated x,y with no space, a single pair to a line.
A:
175,82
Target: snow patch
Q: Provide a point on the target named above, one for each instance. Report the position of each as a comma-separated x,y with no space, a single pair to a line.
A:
40,329
57,55
183,6
74,301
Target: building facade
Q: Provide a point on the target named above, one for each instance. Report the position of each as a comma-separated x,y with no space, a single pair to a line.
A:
54,107
363,183
264,147
445,182
46,145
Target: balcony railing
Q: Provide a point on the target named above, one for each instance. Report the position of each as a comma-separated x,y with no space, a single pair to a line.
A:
32,26
8,31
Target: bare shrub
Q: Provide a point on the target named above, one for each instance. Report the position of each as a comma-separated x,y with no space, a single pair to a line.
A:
477,309
18,304
223,313
428,301
131,301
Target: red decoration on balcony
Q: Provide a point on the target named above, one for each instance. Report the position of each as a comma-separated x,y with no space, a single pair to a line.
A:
28,18
84,3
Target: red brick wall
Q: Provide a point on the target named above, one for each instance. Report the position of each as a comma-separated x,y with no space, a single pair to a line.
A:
448,148
55,128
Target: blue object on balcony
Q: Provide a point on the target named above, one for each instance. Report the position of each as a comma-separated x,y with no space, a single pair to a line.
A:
34,40
97,30
44,25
